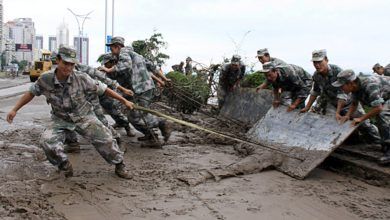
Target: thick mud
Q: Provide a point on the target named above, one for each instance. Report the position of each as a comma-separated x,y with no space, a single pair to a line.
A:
31,188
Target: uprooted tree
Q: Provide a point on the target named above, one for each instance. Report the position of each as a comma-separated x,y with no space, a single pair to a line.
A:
151,48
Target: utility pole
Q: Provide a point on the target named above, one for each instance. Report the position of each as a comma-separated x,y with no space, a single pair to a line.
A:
106,21
81,28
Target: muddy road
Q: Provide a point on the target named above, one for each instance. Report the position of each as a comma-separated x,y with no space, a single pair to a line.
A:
31,188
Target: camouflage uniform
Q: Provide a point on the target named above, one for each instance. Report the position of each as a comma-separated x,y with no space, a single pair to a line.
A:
143,87
374,91
110,105
322,86
227,79
277,61
71,111
387,70
293,79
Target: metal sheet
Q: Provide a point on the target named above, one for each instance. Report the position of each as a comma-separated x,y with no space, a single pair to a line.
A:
246,105
311,137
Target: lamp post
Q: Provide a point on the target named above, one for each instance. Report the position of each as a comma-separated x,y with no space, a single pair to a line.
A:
81,28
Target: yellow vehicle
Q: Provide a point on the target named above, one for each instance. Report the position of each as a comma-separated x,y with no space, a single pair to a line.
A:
40,66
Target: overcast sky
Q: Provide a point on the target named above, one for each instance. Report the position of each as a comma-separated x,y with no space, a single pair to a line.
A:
355,33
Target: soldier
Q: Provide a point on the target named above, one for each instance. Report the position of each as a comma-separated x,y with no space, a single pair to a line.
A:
264,57
380,70
178,67
289,78
143,86
323,78
230,77
188,67
67,91
372,91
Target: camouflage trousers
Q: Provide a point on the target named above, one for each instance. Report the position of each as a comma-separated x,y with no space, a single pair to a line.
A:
366,128
383,122
113,108
89,127
142,121
71,136
221,95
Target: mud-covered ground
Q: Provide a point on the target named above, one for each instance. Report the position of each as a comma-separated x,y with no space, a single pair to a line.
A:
31,188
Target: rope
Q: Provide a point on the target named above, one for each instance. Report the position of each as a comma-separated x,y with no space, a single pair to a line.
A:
188,124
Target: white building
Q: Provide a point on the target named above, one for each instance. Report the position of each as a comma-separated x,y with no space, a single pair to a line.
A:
22,32
62,34
83,57
52,43
1,27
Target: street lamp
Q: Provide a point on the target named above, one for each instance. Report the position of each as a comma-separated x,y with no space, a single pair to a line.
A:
83,18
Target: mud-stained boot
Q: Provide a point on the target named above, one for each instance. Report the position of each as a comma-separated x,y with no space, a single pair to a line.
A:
72,148
166,129
147,137
120,170
67,168
385,160
152,144
129,131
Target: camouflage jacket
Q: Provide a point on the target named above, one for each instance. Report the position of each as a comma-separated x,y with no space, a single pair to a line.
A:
188,69
123,70
229,77
97,75
68,100
373,90
277,61
294,79
387,70
141,78
322,85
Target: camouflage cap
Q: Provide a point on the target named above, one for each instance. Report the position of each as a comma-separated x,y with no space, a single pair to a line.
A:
236,59
68,54
188,59
377,65
262,52
267,67
117,40
318,55
344,77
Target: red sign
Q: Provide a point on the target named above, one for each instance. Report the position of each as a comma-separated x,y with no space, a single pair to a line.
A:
23,47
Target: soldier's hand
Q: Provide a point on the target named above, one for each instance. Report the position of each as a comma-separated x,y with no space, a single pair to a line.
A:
276,103
10,116
291,107
356,121
258,88
341,119
128,92
129,104
304,110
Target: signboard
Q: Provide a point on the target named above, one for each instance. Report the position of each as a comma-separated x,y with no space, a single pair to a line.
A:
108,40
23,47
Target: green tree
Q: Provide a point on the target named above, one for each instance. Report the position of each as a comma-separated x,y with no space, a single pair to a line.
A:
151,48
22,65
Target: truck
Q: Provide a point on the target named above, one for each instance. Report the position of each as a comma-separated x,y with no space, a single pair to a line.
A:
40,66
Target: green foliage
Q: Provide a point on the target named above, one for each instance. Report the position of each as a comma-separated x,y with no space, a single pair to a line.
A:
253,80
188,94
150,48
22,65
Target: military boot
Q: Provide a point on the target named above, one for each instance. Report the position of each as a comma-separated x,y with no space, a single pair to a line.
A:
73,147
120,170
385,159
152,144
166,129
129,131
148,136
67,168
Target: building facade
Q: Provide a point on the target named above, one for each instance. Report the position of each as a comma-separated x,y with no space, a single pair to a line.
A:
83,50
22,32
62,35
52,43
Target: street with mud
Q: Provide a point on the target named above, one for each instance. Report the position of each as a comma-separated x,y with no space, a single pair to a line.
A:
31,188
